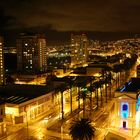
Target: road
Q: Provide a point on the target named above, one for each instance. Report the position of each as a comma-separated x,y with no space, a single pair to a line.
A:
36,131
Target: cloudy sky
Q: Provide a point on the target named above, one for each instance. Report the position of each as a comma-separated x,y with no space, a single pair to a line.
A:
66,15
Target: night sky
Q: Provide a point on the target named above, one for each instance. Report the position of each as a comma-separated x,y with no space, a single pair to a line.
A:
67,15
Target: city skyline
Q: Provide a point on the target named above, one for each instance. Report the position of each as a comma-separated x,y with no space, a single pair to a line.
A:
68,62
108,16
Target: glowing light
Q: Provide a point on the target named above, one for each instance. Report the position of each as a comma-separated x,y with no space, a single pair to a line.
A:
137,119
124,110
129,83
123,89
138,104
11,110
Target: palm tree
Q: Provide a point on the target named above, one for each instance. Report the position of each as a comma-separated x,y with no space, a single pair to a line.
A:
91,88
81,129
60,90
80,83
9,80
116,71
97,86
71,82
101,82
83,95
105,72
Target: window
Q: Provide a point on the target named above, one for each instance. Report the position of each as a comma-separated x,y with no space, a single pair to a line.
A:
124,110
125,107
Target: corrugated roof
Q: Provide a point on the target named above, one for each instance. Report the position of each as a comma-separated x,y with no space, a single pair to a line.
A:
21,93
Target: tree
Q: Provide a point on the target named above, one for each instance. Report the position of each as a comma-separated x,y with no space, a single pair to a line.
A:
81,129
91,89
97,86
61,89
9,80
71,82
101,82
83,95
105,74
80,83
117,69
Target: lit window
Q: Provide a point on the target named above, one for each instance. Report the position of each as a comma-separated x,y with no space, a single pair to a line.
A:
30,61
125,107
124,110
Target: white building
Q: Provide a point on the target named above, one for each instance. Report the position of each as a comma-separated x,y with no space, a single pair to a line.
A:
126,116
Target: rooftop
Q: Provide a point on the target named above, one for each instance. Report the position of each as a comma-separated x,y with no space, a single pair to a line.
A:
17,94
132,86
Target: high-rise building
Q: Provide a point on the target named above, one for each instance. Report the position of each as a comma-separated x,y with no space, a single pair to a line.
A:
1,61
31,53
79,49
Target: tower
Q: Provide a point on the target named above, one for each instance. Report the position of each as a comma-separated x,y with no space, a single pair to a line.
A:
31,53
79,49
1,61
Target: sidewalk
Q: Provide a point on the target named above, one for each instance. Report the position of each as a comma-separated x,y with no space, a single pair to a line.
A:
13,128
57,127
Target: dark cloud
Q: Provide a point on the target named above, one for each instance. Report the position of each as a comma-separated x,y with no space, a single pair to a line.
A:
6,20
101,15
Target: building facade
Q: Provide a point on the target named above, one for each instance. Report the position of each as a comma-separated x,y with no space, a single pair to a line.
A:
28,110
1,61
31,53
138,71
79,45
126,115
125,110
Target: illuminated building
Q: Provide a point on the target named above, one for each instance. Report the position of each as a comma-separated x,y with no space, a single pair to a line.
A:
79,49
126,114
1,62
21,101
10,50
59,58
31,53
138,71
